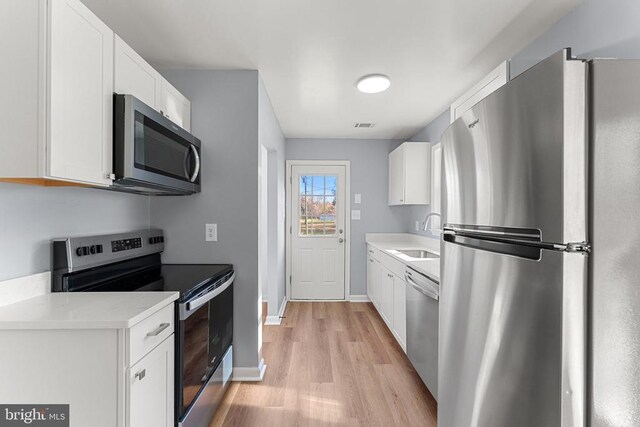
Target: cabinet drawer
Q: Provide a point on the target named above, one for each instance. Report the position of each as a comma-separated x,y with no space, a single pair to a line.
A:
393,265
373,252
146,335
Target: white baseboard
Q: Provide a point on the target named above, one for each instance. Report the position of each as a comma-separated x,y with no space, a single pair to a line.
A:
276,320
250,374
359,298
21,288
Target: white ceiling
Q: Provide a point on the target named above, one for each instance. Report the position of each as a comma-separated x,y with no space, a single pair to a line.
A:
310,54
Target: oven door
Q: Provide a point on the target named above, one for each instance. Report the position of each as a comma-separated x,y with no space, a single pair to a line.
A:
150,149
205,326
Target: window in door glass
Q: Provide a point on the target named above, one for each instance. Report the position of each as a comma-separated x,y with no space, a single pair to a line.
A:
317,200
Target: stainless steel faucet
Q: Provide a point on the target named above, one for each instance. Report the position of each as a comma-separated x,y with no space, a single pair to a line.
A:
425,223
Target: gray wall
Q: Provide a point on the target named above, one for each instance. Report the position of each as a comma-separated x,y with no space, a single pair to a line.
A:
225,117
596,28
30,216
430,133
270,136
369,177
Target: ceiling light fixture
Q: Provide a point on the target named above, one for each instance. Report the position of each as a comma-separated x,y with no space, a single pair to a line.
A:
373,83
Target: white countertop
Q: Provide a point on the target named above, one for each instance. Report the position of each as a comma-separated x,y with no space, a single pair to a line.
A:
84,310
391,243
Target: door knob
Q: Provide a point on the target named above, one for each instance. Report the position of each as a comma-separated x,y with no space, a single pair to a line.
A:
341,231
340,240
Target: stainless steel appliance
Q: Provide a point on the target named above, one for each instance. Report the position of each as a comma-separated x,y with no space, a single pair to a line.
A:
204,310
152,155
539,302
422,297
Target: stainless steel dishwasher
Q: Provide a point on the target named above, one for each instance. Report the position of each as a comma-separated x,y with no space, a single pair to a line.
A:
422,327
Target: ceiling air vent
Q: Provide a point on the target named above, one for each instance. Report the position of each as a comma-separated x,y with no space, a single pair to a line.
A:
364,125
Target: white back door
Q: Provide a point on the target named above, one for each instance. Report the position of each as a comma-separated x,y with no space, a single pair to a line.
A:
318,218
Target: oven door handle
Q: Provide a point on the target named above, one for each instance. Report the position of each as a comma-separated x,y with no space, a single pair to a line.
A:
190,306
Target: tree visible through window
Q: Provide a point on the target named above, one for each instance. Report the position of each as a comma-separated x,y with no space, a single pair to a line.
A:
317,205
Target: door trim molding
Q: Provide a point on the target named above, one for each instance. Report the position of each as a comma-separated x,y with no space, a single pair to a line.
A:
347,223
277,319
249,374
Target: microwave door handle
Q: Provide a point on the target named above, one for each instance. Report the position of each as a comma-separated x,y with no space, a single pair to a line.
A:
185,165
197,170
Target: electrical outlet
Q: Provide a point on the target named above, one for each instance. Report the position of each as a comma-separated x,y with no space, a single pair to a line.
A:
211,232
358,199
355,215
417,225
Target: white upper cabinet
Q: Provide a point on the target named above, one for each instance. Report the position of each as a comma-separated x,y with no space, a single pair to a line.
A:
493,81
175,106
57,123
65,65
81,94
134,76
410,174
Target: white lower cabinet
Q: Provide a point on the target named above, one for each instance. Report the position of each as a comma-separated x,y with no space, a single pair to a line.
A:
149,403
386,297
370,279
400,311
386,289
109,376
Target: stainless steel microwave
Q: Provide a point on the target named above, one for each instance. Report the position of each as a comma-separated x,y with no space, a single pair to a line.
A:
152,155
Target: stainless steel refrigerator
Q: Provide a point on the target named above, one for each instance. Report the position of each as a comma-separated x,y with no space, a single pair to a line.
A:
540,283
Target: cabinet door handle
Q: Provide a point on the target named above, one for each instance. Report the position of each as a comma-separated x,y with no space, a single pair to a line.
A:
141,374
157,330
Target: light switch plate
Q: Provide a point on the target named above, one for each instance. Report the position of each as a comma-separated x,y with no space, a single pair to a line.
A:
355,214
358,198
211,232
417,225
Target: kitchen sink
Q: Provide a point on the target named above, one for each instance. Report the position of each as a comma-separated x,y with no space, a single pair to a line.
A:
416,253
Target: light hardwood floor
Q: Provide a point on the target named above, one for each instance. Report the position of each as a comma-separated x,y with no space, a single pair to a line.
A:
330,364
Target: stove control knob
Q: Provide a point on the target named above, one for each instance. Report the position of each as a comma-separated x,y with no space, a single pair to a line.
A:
79,251
92,249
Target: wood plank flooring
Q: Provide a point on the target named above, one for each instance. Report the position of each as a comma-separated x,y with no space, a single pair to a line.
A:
330,364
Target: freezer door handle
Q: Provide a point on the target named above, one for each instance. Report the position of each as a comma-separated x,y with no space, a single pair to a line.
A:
524,247
494,244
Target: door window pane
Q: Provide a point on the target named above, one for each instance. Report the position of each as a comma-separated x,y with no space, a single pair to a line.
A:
317,205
